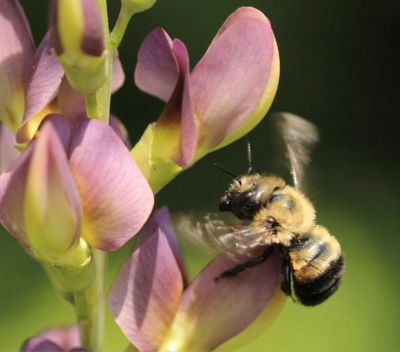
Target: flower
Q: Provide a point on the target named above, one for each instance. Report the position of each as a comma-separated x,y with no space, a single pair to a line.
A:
75,183
55,340
33,81
16,52
158,310
77,36
223,98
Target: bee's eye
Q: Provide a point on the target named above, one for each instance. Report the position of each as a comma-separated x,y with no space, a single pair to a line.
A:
271,223
277,188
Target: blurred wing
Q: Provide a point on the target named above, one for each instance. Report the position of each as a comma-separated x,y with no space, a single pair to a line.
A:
212,233
297,136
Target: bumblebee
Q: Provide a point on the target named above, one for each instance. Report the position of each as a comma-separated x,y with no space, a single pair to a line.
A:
275,216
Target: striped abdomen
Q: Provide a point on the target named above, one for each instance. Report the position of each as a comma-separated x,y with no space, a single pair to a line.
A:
317,266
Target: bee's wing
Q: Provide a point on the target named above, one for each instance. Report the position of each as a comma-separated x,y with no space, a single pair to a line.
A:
297,136
213,233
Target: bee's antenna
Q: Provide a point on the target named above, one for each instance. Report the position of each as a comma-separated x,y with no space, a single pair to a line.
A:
249,157
229,172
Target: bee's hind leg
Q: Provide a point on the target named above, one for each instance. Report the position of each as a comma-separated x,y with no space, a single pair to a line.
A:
236,270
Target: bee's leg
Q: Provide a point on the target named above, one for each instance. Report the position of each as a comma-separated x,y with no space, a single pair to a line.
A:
286,276
249,264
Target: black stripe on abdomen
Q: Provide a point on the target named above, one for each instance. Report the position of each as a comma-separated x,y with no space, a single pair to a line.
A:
316,291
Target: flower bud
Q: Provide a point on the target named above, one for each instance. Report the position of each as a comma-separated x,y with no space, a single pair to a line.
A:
136,6
77,36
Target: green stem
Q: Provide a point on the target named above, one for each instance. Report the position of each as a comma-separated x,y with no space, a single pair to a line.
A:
89,306
119,29
91,106
103,95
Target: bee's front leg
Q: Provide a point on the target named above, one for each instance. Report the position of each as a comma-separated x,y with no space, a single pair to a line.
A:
248,264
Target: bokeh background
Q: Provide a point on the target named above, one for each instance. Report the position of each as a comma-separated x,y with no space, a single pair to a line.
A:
340,69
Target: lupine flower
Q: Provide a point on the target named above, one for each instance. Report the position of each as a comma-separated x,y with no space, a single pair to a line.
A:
55,340
223,98
75,181
77,36
33,83
17,49
158,310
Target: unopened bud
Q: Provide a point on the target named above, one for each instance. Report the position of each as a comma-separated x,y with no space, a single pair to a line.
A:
77,36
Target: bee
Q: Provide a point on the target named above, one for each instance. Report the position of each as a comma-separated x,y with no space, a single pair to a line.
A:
275,216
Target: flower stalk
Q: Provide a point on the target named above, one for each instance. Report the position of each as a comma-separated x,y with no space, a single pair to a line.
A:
89,306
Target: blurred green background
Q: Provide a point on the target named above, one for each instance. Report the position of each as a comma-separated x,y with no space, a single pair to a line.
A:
340,69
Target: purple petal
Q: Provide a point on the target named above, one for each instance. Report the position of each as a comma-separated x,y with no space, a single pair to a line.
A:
147,291
230,79
157,69
118,75
8,152
15,55
43,84
117,199
70,102
220,310
54,340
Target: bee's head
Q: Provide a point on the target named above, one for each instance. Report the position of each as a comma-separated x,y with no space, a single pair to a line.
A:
247,194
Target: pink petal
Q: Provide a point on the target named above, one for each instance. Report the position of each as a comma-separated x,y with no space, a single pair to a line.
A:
146,293
43,83
220,310
15,56
230,79
117,199
8,152
60,339
118,75
179,108
157,69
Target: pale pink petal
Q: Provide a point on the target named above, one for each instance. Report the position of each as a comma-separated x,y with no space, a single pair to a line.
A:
15,56
146,293
212,312
118,75
65,339
43,83
157,69
230,79
8,152
117,199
